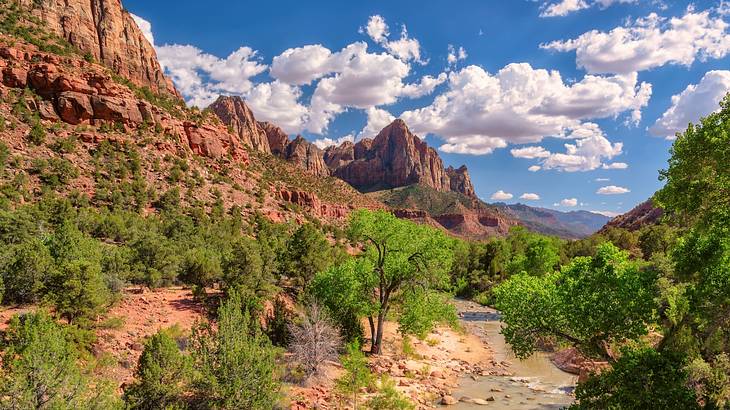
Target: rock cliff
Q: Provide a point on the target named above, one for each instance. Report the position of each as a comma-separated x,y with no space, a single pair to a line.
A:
107,32
395,158
646,213
234,113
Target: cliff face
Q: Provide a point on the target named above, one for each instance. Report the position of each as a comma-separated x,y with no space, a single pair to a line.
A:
395,158
646,213
107,32
234,113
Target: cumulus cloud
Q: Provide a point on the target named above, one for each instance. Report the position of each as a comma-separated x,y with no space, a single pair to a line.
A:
404,48
302,65
564,7
534,168
201,77
695,102
377,120
527,196
278,103
650,42
615,165
519,104
587,153
612,190
501,196
569,202
145,27
328,142
455,55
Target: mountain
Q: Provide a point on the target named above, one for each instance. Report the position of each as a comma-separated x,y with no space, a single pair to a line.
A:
105,32
76,126
395,158
569,225
646,213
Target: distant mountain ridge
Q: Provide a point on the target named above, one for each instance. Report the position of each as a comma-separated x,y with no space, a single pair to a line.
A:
569,225
646,213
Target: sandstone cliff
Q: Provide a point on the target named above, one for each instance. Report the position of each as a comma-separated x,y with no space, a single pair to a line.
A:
107,32
234,113
395,158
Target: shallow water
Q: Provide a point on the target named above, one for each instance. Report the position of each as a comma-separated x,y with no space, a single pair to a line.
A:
536,382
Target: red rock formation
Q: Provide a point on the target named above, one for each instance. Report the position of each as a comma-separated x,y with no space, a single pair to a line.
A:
107,32
277,138
307,156
393,159
311,201
234,113
643,214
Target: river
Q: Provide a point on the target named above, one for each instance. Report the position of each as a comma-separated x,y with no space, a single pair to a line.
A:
535,384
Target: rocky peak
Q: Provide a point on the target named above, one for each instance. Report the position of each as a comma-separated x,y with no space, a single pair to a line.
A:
107,32
460,181
277,138
234,113
395,158
306,155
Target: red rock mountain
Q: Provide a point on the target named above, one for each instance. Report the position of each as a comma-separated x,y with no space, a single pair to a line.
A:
106,31
234,112
643,214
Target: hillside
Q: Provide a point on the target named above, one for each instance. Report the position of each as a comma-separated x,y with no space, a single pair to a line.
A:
569,225
643,214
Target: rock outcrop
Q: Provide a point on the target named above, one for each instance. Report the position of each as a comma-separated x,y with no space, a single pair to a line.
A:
646,213
307,156
108,33
234,113
395,158
277,138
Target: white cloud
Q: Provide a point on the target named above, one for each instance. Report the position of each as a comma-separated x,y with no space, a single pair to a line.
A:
501,196
323,143
612,190
527,196
278,103
615,165
404,48
569,202
302,65
377,120
696,101
587,153
610,214
517,105
534,168
145,27
564,7
602,179
201,77
455,55
650,42
530,152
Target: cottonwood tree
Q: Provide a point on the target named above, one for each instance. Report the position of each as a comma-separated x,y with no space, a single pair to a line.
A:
592,303
401,254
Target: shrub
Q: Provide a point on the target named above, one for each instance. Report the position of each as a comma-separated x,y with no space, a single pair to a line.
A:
314,340
235,361
277,325
37,134
357,373
78,291
24,268
162,375
388,398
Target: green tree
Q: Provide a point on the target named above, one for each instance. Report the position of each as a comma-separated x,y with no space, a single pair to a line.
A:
201,267
243,267
357,373
402,255
41,369
641,379
591,304
162,376
307,252
235,361
421,310
25,269
78,291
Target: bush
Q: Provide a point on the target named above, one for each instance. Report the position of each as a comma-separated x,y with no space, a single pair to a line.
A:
314,340
37,134
388,398
235,361
40,369
78,291
277,325
357,373
162,375
25,268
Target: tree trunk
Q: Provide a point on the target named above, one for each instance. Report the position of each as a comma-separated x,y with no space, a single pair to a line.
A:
378,346
372,333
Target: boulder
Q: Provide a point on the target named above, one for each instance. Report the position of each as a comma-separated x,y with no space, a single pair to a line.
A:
116,109
448,400
74,108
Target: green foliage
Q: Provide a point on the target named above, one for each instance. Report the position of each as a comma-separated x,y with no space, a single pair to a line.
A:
235,361
65,145
640,379
389,398
345,291
243,268
40,369
162,375
25,268
591,303
422,310
307,252
37,134
277,325
201,267
357,373
78,291
401,255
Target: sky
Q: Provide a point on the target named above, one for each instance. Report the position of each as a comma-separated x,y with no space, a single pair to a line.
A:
563,104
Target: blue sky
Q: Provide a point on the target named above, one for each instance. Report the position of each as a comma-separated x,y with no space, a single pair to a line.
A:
566,100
